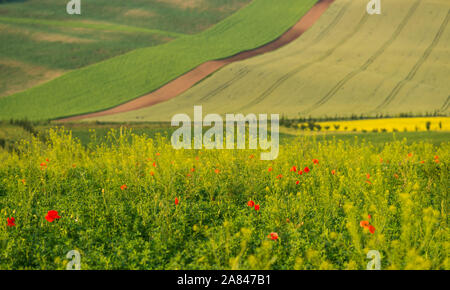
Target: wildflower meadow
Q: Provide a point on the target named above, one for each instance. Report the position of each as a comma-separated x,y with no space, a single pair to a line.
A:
133,202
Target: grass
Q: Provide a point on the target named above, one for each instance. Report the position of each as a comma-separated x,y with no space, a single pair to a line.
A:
164,15
40,41
95,26
348,63
116,203
114,81
85,132
11,134
380,139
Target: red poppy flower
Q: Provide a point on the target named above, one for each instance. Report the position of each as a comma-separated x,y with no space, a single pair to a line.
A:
279,176
422,162
47,160
369,216
256,207
176,201
154,164
306,170
300,172
270,169
294,168
436,157
315,161
364,224
23,181
368,182
252,156
157,154
188,175
251,203
396,175
333,172
152,173
123,187
368,175
410,154
297,182
217,171
11,222
273,236
371,229
381,160
43,164
436,160
192,169
52,215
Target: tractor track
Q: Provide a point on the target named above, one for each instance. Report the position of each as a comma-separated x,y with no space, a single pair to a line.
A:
241,73
416,67
317,39
370,61
445,105
300,68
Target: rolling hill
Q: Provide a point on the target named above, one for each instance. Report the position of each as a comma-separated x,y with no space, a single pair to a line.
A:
348,63
117,80
39,41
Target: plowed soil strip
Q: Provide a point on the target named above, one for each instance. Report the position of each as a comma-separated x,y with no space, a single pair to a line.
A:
186,81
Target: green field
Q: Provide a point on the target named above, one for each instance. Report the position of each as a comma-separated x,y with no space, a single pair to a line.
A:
39,41
12,133
114,81
84,133
117,205
348,63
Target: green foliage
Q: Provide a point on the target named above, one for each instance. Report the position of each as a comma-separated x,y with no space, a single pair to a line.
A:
140,227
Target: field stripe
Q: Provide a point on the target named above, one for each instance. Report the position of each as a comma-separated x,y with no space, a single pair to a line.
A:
333,23
239,76
241,73
319,37
304,66
184,82
95,26
371,60
416,67
445,105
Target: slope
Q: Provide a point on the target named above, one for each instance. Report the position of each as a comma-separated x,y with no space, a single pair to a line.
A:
123,78
349,63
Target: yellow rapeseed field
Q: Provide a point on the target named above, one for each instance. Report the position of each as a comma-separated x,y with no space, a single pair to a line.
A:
390,124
